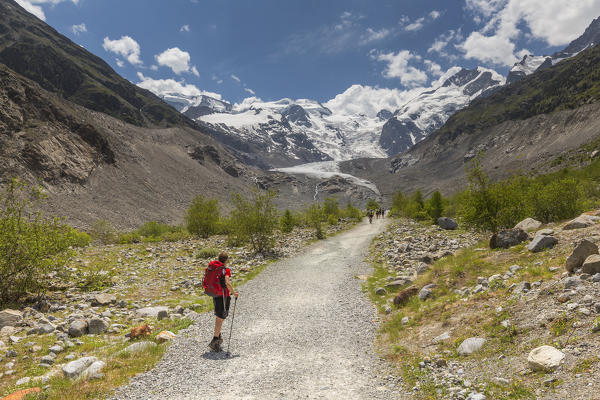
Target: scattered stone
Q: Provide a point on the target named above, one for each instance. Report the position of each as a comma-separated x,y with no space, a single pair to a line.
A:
502,381
78,328
137,347
596,326
97,326
528,224
151,312
48,360
23,381
447,223
404,320
470,345
380,291
425,293
550,381
515,268
522,287
546,231
508,238
545,358
93,371
388,310
563,297
397,284
476,396
422,268
572,282
74,368
10,317
103,299
541,242
583,221
583,249
165,336
441,338
403,297
591,265
596,278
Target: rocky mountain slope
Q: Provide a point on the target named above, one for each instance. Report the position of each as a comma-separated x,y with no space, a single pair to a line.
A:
35,50
524,127
530,63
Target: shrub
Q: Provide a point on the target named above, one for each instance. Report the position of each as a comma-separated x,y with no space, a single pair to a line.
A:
331,207
129,238
31,245
255,220
103,231
154,229
372,205
332,220
207,252
286,222
315,217
435,206
202,217
353,212
399,203
77,238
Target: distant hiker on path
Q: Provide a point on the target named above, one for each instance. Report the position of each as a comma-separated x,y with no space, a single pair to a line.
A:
217,284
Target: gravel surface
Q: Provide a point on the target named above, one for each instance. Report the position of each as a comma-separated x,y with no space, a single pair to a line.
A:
303,329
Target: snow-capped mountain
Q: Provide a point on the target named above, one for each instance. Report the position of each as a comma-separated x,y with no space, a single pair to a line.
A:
431,108
195,106
530,63
299,130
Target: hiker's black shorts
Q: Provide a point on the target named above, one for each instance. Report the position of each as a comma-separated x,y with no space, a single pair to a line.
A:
220,311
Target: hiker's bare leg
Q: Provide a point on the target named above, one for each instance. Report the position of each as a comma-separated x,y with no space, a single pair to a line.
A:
218,325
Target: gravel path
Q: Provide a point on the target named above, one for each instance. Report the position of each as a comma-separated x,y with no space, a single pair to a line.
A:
303,329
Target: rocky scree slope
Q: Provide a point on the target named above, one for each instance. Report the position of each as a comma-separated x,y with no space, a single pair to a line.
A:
475,335
520,127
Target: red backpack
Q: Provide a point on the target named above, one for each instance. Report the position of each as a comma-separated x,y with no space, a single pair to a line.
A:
214,279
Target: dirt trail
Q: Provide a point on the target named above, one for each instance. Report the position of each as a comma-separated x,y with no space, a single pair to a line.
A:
303,329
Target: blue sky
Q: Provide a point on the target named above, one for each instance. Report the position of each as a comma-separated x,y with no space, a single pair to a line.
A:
313,48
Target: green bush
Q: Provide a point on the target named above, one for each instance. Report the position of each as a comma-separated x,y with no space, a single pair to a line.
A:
129,238
31,244
202,217
332,220
315,217
331,207
77,238
372,205
103,231
435,206
207,252
352,212
254,221
154,229
286,222
399,203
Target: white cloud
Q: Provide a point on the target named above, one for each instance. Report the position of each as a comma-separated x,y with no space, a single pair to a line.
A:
184,28
120,62
441,42
125,47
415,26
434,68
368,100
235,78
176,59
163,87
154,67
77,29
250,91
372,35
557,22
34,7
397,67
246,103
435,14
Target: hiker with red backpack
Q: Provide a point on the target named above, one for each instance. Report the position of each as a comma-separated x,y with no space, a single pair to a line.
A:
217,284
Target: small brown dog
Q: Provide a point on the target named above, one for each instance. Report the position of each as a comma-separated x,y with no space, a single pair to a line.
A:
140,331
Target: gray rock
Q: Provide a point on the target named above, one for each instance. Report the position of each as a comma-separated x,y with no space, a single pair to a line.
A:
78,328
583,249
542,242
528,224
422,268
46,328
476,396
56,349
97,326
103,299
596,277
424,293
137,347
522,287
583,221
515,268
48,360
441,338
388,309
470,345
447,223
151,312
10,317
546,232
23,381
572,282
591,265
544,358
397,284
93,371
405,320
508,238
380,291
74,368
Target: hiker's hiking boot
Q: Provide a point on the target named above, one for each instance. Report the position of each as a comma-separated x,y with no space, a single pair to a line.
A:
215,345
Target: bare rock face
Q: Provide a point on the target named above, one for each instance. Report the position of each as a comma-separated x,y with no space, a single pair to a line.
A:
583,249
508,238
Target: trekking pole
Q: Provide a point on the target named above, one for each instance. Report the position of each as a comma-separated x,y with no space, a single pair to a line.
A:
231,328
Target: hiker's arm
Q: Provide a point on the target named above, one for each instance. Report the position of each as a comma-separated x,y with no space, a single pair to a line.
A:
229,287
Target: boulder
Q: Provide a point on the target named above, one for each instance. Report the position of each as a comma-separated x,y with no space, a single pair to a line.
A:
78,328
583,249
103,299
447,223
508,238
583,221
546,232
93,371
165,336
470,345
380,291
403,297
591,265
137,347
75,368
425,292
528,224
46,328
151,312
10,317
97,326
545,358
397,284
541,242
